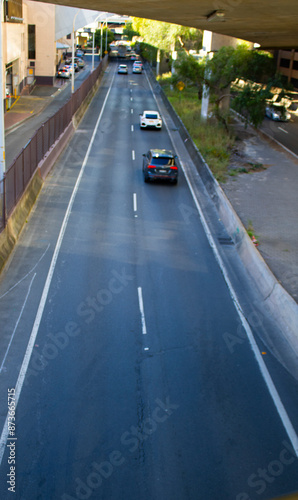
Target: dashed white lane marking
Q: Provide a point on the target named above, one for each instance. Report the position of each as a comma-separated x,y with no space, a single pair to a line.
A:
141,305
133,154
132,128
135,202
283,130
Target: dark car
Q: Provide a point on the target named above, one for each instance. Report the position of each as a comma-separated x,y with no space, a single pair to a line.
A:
160,164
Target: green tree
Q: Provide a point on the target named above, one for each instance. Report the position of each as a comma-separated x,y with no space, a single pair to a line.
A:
97,38
167,36
229,65
129,31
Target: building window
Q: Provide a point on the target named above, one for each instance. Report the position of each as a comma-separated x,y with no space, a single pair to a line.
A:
284,63
13,11
68,37
31,41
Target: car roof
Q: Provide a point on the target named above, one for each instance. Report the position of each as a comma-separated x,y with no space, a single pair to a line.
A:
150,111
161,152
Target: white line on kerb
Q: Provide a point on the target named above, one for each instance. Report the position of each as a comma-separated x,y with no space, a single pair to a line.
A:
260,361
141,305
30,346
131,128
133,155
135,202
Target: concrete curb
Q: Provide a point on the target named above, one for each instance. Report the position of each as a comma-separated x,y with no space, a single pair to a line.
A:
275,299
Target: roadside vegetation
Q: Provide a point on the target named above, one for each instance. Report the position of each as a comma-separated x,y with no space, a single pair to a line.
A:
237,78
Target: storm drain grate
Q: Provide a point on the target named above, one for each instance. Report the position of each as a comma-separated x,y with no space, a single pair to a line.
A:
225,241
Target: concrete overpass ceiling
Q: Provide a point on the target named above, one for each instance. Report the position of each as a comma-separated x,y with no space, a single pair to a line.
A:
271,23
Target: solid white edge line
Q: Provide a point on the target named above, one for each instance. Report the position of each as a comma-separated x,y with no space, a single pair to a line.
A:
27,356
141,306
263,368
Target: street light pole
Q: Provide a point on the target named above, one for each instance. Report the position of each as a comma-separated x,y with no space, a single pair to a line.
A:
2,132
72,53
100,40
92,31
106,51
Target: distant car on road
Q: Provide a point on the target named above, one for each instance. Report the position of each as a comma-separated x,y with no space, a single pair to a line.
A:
137,67
63,73
150,119
80,53
278,112
122,68
79,62
160,164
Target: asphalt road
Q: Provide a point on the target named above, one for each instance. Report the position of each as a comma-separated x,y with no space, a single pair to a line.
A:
283,132
135,388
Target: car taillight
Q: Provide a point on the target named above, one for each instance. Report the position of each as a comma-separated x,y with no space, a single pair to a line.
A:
174,168
151,166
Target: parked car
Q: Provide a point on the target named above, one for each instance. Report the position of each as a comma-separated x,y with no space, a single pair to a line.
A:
80,62
137,67
63,73
122,68
150,119
160,164
69,67
278,112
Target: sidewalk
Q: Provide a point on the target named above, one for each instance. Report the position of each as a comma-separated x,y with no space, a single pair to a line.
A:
265,199
28,105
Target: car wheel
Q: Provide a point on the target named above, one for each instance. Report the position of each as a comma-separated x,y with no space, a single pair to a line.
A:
146,178
174,181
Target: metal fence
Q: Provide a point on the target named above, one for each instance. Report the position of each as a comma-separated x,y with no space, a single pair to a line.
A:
19,174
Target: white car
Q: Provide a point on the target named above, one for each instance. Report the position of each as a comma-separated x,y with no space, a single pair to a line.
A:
122,69
137,67
150,119
278,112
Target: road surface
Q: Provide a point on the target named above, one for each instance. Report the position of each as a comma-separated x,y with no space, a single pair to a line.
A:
133,376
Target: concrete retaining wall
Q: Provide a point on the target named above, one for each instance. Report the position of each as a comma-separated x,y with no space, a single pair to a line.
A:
16,221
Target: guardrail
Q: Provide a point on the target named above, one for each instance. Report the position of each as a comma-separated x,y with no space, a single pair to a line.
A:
24,166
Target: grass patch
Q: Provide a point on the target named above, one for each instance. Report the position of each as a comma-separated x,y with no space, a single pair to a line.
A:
210,137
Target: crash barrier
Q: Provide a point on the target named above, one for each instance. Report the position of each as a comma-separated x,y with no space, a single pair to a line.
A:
280,306
18,176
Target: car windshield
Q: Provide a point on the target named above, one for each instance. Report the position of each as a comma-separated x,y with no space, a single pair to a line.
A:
152,116
163,161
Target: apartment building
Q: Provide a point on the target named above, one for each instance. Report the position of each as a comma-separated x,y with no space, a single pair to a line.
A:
287,64
34,36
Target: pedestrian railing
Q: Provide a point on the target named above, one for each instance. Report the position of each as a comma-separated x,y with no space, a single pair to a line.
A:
19,174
